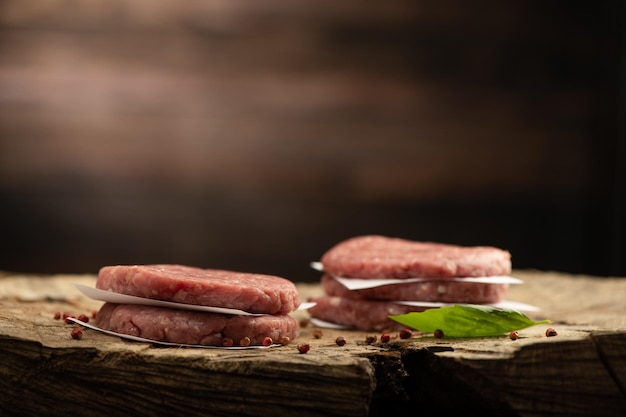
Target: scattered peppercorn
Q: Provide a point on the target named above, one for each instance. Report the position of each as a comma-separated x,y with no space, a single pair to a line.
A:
384,338
514,335
83,318
67,319
304,323
65,315
267,341
370,339
340,341
94,314
551,332
304,348
406,334
317,333
77,333
245,341
227,342
284,340
57,315
438,333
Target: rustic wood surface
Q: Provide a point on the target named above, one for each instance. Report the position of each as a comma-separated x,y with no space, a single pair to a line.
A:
580,372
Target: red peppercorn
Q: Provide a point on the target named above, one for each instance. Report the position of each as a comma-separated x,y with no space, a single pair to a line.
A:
406,334
67,319
438,333
284,340
65,315
245,341
57,315
317,333
551,332
304,348
268,341
514,335
94,314
384,338
83,318
370,339
227,342
340,341
77,333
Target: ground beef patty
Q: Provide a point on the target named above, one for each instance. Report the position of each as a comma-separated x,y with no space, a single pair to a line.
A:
385,257
360,314
191,327
446,291
254,293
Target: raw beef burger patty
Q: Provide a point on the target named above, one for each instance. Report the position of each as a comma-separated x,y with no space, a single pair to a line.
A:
360,314
191,327
254,293
446,291
384,257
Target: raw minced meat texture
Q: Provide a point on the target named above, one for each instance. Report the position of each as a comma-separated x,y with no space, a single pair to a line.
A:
192,327
445,291
376,256
254,293
360,314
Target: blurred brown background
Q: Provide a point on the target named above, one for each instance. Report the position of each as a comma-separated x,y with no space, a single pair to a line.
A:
253,135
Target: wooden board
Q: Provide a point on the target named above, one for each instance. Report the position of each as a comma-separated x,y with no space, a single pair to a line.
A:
580,372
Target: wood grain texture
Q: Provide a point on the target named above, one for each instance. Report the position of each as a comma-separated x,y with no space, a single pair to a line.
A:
93,381
580,372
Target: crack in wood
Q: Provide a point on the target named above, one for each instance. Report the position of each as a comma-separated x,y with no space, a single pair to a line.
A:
601,342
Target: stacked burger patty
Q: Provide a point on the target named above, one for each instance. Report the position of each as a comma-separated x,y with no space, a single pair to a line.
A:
422,272
267,299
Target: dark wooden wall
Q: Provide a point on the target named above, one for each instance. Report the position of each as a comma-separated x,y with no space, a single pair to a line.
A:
254,135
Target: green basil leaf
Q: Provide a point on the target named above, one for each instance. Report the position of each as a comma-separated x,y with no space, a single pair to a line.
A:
467,320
